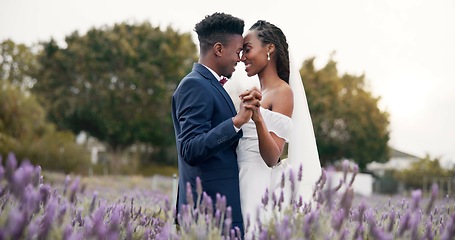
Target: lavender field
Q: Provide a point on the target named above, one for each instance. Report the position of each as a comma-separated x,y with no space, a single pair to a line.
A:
36,204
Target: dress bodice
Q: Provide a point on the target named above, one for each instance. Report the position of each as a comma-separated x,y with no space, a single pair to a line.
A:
277,123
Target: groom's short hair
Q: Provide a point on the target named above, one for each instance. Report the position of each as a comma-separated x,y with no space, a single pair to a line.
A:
218,27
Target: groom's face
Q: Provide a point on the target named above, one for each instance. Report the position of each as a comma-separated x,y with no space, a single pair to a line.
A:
231,55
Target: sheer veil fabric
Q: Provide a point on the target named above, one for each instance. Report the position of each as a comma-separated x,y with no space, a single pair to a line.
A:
302,149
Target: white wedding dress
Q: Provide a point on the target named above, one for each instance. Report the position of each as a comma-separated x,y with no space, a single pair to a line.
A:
254,175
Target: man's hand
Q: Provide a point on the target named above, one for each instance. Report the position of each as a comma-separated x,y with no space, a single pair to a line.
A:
249,101
251,98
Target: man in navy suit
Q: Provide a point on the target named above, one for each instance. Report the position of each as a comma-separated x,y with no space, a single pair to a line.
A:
206,124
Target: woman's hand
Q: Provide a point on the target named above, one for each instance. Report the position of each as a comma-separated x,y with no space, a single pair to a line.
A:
256,117
251,97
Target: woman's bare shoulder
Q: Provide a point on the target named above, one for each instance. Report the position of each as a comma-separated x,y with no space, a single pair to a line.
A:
283,99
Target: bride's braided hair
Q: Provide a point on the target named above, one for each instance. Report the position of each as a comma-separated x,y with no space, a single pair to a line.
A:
269,33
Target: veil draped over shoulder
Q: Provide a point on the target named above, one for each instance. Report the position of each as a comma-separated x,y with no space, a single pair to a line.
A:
302,149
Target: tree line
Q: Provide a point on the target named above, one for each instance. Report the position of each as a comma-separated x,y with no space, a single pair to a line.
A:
115,84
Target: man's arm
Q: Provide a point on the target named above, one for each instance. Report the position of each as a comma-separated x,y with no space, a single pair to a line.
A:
193,110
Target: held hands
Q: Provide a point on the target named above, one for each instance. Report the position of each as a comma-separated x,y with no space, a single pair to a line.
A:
249,98
249,107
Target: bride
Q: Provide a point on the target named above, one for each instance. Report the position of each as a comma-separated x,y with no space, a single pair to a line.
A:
283,117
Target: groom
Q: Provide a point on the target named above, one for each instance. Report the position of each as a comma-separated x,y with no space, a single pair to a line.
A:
207,126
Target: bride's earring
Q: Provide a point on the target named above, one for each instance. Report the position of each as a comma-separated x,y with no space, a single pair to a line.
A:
268,56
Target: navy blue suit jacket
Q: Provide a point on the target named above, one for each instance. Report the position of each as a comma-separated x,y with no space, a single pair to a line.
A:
206,140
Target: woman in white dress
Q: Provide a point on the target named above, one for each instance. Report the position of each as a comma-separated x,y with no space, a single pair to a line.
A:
276,122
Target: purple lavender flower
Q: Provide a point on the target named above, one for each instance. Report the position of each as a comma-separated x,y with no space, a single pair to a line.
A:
189,195
338,217
391,221
375,231
362,209
404,223
11,165
209,202
265,198
263,235
20,179
429,231
299,202
359,232
129,231
61,213
48,218
328,192
67,233
36,176
33,228
416,197
307,223
344,234
281,200
434,195
299,177
355,170
449,231
2,171
221,204
45,193
30,201
346,200
283,229
346,167
165,232
114,225
323,179
274,200
292,182
248,221
228,221
414,225
92,204
66,184
217,217
73,189
78,218
237,231
16,224
198,186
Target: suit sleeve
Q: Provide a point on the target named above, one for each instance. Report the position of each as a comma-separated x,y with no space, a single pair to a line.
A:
197,140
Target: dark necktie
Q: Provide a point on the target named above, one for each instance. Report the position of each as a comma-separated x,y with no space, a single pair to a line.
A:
223,80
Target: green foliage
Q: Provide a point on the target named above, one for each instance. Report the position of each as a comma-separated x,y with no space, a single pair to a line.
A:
115,83
426,169
17,64
25,131
345,114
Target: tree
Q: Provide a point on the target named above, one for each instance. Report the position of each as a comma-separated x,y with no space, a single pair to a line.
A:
25,131
422,172
18,63
115,83
346,118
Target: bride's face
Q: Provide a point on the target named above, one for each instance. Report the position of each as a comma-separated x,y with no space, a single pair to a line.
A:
254,54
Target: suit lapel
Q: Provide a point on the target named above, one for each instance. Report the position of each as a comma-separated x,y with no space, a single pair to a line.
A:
214,82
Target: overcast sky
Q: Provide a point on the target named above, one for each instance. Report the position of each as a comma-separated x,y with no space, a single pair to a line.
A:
406,48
